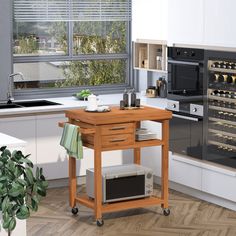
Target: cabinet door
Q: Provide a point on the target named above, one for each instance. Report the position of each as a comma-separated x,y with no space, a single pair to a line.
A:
149,19
219,184
185,21
185,171
22,128
219,22
50,155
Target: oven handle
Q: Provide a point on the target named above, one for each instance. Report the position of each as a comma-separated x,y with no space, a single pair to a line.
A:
183,63
186,117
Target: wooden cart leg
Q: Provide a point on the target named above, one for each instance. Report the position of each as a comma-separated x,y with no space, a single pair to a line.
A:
137,156
137,151
72,181
98,177
165,164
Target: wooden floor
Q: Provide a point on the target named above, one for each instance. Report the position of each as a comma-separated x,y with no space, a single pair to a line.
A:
189,217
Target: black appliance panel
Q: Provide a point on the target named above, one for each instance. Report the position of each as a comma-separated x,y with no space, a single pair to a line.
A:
185,79
125,187
185,72
186,136
186,54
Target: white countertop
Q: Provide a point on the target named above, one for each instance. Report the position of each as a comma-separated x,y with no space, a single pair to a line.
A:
9,141
73,103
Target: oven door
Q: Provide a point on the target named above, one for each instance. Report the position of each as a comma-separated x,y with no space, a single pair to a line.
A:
185,77
186,134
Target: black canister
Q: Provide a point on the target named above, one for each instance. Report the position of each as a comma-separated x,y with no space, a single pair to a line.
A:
162,87
126,98
133,98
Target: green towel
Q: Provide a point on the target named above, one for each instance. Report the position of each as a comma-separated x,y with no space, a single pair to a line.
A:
71,141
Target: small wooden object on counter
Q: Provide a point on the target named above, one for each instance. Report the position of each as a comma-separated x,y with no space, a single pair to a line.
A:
116,131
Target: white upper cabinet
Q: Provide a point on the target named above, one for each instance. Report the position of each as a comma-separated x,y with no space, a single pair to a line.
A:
202,22
185,21
149,19
220,22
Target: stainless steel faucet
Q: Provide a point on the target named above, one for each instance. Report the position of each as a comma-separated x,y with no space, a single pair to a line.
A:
10,97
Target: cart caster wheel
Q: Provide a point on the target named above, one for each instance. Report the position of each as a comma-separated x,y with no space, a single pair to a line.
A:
166,211
100,222
74,210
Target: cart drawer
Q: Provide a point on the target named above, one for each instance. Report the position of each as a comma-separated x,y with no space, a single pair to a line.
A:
122,128
117,140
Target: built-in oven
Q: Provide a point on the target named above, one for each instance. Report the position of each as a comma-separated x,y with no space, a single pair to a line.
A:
185,72
185,100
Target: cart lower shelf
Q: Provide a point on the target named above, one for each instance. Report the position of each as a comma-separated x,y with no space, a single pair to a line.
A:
119,206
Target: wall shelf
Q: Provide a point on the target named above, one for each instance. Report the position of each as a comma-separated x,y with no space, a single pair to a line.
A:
150,55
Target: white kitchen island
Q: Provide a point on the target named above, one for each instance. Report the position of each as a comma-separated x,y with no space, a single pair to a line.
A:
13,143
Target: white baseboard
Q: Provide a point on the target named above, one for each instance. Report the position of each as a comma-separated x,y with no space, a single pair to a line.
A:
199,194
57,183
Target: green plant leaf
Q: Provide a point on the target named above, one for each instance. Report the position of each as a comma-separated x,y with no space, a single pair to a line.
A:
41,191
37,173
5,204
6,220
29,175
34,205
23,213
1,164
3,148
22,182
12,224
3,178
16,189
27,161
6,153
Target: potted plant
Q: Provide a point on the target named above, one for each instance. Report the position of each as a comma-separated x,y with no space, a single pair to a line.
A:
20,189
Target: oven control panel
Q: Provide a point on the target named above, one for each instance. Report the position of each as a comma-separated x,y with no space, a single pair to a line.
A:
173,105
196,109
179,53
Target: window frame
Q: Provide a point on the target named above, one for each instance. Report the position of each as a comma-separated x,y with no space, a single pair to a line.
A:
68,91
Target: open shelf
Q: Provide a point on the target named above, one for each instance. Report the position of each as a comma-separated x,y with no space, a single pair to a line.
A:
150,55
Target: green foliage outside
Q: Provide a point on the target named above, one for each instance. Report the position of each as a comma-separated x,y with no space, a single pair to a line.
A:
89,38
20,189
92,38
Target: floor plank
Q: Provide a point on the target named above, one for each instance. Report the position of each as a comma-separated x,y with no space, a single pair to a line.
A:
189,217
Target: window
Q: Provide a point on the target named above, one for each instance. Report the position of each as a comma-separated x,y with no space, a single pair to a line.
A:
71,43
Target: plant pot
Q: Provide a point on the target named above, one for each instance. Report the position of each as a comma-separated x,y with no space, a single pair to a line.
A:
20,229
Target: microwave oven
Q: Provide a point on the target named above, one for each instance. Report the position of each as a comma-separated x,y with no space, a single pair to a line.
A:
122,182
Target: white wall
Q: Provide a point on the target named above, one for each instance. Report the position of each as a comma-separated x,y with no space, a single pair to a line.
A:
149,19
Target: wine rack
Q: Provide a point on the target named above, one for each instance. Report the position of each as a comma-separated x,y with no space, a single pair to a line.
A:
221,140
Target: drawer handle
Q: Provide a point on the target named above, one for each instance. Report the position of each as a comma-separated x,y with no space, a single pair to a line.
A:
117,140
118,128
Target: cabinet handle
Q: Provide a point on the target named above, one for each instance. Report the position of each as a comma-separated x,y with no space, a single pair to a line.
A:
118,128
117,140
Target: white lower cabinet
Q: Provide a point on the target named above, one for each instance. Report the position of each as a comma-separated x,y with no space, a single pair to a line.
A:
50,155
219,184
185,173
23,128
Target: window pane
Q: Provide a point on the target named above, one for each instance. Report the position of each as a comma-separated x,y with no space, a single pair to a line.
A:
39,38
99,37
71,73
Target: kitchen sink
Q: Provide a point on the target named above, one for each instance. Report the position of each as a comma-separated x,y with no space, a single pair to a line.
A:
36,103
6,106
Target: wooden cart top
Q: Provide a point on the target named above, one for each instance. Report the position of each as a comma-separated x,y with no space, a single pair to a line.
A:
119,116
